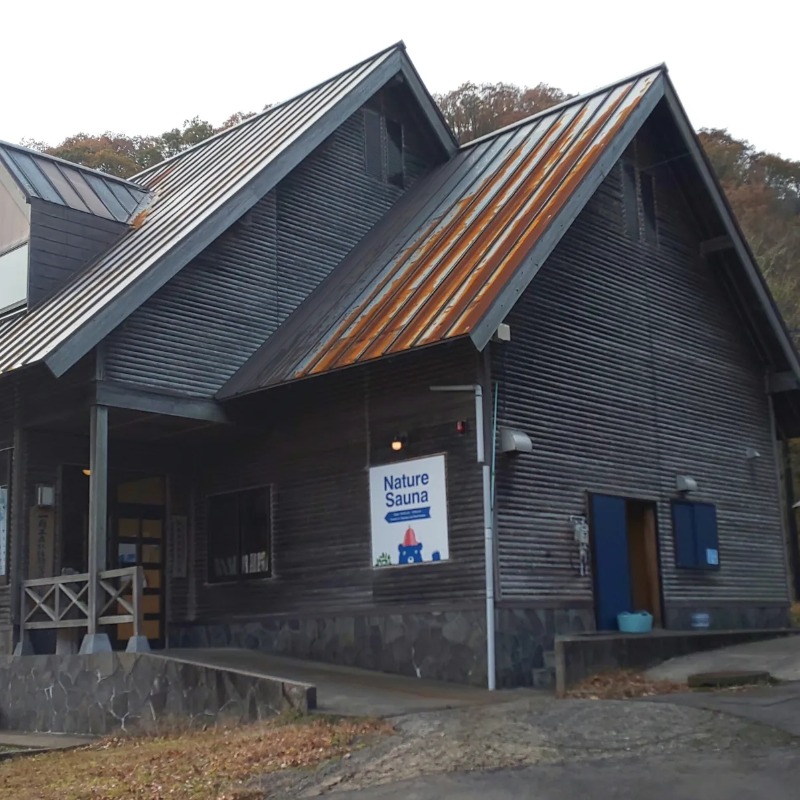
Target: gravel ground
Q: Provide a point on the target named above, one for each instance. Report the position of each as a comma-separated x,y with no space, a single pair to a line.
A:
529,730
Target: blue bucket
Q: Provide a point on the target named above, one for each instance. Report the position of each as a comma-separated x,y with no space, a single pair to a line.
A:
636,622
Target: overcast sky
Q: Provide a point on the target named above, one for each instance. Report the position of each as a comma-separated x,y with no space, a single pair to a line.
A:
143,67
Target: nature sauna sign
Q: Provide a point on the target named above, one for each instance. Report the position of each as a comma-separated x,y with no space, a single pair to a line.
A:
408,505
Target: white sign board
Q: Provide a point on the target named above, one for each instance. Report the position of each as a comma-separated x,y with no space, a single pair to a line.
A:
408,506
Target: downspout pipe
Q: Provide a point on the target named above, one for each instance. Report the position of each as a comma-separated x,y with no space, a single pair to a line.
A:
488,520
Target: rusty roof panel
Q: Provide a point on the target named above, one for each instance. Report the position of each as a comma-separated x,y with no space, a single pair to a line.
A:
479,218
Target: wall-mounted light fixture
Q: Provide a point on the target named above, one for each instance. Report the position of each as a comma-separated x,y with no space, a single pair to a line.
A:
751,454
45,496
87,472
399,441
685,484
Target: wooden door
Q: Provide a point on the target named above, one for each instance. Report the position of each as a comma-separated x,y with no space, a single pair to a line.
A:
138,529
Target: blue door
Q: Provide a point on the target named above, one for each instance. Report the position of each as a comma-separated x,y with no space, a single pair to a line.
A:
612,574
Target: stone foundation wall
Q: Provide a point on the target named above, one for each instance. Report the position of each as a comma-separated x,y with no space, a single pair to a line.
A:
438,645
525,641
109,692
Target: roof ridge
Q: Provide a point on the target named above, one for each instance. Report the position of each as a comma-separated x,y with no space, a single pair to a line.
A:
578,98
399,45
72,165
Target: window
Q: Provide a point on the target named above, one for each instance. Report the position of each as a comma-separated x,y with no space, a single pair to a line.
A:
383,154
239,535
639,186
373,149
394,156
630,204
647,182
694,527
14,276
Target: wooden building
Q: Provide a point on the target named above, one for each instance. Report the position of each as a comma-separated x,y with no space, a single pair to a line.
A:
330,385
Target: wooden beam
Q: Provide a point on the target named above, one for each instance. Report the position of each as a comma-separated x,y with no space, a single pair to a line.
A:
122,395
716,245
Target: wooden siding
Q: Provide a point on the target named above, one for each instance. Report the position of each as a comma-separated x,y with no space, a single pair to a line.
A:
62,242
204,324
628,366
316,458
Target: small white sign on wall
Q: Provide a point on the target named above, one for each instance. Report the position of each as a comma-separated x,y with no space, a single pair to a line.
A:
408,506
178,545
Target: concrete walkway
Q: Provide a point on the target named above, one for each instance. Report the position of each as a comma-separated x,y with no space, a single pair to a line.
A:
779,657
776,706
346,690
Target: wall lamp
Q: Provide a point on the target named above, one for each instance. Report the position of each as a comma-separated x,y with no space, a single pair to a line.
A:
399,441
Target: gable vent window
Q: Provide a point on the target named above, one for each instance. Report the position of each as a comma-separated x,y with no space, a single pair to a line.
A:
648,189
639,192
630,202
394,155
373,148
383,149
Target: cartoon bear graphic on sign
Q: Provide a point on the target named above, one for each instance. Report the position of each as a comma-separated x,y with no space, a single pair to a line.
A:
410,550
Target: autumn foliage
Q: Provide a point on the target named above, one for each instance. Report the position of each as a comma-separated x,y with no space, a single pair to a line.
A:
216,764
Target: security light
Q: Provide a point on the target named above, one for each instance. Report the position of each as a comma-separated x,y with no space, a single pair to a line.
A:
399,441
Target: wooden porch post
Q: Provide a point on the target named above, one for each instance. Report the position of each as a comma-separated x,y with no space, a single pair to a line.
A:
95,642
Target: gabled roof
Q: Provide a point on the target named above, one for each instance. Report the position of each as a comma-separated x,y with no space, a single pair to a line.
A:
462,245
196,196
57,181
453,257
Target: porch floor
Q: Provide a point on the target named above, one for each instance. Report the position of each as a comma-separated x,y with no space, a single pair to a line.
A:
345,690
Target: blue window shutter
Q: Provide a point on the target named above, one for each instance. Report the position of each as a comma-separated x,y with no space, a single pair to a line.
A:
706,539
683,531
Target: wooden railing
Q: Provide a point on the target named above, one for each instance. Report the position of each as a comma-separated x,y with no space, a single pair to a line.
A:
63,601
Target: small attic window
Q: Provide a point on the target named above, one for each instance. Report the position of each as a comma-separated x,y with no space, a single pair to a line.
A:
383,149
373,148
648,189
394,158
629,201
639,187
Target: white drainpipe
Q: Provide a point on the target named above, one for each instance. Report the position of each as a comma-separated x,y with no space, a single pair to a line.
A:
488,524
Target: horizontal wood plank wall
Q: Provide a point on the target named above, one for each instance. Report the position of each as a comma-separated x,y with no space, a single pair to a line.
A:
325,433
193,334
628,365
62,242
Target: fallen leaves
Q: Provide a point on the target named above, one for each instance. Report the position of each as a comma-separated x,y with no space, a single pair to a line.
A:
215,764
621,685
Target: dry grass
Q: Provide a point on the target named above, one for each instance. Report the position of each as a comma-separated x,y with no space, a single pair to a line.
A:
217,764
621,685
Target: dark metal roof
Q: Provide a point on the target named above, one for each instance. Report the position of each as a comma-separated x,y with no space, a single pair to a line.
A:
58,181
464,244
195,197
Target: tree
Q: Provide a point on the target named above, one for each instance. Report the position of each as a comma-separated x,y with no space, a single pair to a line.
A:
764,191
473,110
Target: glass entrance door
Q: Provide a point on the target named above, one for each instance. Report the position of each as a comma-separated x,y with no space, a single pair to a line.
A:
138,531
